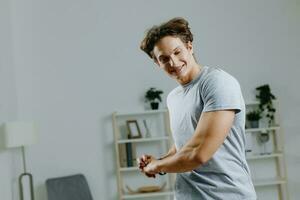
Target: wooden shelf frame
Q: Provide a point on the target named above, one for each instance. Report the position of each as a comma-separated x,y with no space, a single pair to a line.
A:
165,138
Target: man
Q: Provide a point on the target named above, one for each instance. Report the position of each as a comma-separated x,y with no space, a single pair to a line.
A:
207,115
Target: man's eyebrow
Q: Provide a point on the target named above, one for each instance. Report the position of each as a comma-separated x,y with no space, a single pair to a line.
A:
163,55
176,48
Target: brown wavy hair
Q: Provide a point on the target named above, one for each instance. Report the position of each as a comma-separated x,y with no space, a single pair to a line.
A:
177,27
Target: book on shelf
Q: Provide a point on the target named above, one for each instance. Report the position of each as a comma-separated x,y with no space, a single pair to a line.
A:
130,150
122,154
134,156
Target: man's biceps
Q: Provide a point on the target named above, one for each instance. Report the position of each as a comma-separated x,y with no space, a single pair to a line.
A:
218,123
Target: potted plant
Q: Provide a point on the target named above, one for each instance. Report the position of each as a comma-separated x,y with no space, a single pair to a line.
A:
154,97
266,98
253,117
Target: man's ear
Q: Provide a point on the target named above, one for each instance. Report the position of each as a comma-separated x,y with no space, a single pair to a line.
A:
155,61
189,46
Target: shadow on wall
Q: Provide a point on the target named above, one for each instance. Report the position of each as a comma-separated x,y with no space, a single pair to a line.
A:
2,147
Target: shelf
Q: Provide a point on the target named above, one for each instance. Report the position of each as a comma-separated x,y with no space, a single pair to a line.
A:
253,103
269,182
143,140
129,169
266,129
144,112
150,194
257,156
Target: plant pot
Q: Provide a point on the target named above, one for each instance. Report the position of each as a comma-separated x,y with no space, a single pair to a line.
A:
254,124
154,105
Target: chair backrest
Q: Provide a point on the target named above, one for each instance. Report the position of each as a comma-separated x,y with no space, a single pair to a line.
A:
73,187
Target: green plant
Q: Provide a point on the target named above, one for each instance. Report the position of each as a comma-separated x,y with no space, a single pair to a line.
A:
153,95
254,115
266,98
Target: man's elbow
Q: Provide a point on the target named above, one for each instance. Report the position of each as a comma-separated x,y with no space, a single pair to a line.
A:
201,158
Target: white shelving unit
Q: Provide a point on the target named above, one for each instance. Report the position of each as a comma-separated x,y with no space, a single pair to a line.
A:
268,168
159,143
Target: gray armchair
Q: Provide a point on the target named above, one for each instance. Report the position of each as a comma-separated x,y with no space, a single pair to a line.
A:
73,187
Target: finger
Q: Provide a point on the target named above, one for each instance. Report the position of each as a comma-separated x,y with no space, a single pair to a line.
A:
146,170
142,168
142,165
140,160
150,175
145,158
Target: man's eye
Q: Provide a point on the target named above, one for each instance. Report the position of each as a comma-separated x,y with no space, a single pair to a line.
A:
177,52
164,59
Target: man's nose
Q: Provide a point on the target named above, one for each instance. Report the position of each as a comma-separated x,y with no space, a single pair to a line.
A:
174,61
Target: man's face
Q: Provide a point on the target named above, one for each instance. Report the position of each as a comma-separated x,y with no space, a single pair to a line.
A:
175,57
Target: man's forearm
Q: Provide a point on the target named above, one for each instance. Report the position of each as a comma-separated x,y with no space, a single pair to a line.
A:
186,159
171,152
182,161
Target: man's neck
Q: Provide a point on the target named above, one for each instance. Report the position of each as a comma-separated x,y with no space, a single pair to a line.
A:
195,71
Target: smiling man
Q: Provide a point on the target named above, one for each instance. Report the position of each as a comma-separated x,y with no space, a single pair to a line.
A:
207,114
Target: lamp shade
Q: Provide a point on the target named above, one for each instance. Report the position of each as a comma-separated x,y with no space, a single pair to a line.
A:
18,134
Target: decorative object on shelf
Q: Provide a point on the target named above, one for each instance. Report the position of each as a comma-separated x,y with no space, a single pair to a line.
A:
133,129
21,134
148,134
248,146
263,137
145,189
154,97
265,98
253,118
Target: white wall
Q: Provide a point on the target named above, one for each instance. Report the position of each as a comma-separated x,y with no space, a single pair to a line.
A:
78,61
8,101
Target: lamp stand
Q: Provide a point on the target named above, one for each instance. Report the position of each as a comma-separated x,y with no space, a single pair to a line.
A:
24,174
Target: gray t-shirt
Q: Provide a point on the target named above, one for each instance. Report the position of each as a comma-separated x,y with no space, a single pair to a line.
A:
226,175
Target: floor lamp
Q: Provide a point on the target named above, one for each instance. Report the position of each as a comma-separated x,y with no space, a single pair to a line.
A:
21,134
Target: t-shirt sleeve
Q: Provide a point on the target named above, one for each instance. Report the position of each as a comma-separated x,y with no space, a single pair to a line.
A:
221,91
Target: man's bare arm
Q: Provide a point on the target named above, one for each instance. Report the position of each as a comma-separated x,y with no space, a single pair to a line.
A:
171,152
145,159
211,131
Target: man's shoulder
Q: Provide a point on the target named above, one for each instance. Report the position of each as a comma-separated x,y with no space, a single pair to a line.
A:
217,72
215,75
